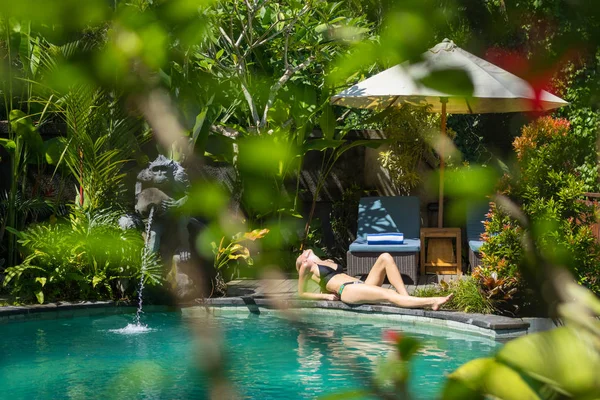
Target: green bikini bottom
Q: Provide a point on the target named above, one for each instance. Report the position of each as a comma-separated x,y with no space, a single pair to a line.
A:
344,285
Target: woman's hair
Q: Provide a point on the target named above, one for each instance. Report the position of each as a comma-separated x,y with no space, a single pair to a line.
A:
298,263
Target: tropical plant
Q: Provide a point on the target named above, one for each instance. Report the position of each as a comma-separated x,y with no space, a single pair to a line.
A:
24,146
333,146
263,74
233,249
20,66
79,258
100,140
282,48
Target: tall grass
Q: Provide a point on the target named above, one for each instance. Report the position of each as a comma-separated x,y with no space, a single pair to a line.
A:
467,296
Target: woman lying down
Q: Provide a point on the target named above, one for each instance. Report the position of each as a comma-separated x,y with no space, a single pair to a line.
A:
336,285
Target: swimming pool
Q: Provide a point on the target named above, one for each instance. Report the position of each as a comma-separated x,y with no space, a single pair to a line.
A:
265,357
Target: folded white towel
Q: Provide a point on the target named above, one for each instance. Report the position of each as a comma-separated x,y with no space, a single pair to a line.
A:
385,238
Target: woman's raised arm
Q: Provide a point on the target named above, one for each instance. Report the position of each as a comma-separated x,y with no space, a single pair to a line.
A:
303,281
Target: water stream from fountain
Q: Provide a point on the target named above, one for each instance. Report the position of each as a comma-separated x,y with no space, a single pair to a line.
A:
137,326
144,262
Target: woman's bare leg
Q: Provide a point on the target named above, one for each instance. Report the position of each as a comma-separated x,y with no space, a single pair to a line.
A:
385,265
358,294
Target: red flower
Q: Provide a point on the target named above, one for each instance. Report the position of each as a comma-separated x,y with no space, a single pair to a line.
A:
392,336
541,74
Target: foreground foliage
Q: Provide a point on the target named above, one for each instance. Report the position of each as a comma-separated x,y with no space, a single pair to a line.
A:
558,363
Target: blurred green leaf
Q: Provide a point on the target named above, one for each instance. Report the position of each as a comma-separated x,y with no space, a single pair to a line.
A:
454,82
561,358
59,14
207,199
487,377
263,154
392,371
41,281
408,347
469,183
181,10
353,65
455,389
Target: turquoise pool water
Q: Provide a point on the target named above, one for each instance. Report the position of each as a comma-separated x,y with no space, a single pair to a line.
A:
265,357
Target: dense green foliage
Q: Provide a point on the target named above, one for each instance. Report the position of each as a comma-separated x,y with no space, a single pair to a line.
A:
80,258
243,87
413,130
549,189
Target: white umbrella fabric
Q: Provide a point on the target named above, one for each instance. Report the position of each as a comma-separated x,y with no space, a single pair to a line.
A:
494,90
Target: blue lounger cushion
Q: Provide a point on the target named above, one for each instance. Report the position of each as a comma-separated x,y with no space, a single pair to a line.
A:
409,246
385,238
475,245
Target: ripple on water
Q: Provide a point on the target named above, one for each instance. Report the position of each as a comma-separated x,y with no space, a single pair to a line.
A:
132,329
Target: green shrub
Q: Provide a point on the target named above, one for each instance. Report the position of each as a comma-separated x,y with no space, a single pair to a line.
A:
468,296
549,189
78,258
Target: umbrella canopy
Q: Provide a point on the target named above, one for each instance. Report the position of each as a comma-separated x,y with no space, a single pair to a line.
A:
494,90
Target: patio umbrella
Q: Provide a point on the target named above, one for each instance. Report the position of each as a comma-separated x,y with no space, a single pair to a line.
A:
494,91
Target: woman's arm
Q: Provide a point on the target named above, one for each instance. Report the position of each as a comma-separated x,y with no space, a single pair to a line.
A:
302,281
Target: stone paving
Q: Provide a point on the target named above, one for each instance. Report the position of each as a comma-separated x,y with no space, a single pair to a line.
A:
289,286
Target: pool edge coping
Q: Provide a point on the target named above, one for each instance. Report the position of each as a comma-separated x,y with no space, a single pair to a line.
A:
490,325
71,309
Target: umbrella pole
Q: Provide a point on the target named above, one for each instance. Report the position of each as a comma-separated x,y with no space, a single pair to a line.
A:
441,193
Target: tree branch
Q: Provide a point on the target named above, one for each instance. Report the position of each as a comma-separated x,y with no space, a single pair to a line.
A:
227,38
243,82
287,33
225,131
282,81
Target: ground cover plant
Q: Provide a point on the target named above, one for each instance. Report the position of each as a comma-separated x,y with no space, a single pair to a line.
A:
468,295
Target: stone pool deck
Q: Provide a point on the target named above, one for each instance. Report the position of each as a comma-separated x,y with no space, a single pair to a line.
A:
289,286
255,295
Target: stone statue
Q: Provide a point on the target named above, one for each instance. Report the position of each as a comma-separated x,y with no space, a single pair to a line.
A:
163,186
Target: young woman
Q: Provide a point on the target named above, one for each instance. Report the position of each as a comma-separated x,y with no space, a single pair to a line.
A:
335,285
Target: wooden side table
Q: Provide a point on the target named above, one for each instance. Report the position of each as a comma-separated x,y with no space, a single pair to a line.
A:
441,266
